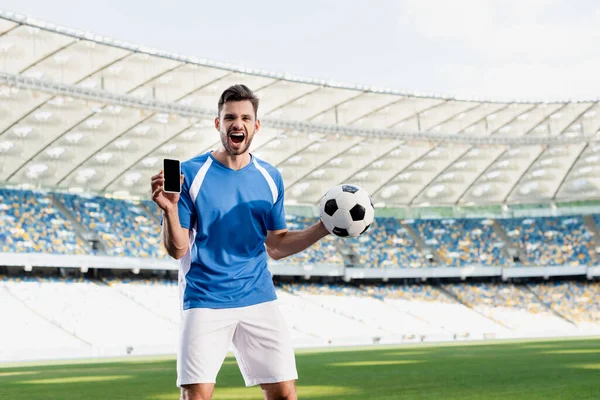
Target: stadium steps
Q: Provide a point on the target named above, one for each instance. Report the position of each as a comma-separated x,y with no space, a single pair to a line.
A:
421,245
548,306
100,282
351,317
426,321
510,247
455,298
51,321
307,333
589,222
82,232
349,255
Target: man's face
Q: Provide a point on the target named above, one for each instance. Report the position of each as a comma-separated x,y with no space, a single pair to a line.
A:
237,125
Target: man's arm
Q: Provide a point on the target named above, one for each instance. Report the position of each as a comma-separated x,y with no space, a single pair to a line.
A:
175,238
284,243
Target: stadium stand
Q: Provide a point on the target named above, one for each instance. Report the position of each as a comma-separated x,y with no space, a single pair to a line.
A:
552,240
387,244
463,241
152,209
437,307
59,317
516,308
123,225
321,325
576,301
95,314
25,335
323,252
160,296
30,223
381,318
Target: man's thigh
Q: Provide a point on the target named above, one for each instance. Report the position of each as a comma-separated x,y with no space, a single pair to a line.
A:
205,338
263,347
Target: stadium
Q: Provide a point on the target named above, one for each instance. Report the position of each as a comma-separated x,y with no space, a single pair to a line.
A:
485,240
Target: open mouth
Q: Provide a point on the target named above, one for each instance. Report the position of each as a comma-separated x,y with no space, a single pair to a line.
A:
237,137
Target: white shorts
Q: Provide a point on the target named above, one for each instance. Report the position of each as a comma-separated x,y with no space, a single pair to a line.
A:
261,344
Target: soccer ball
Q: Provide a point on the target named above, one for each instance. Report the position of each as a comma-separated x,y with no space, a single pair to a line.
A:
347,210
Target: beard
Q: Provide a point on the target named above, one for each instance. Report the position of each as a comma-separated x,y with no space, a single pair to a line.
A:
236,149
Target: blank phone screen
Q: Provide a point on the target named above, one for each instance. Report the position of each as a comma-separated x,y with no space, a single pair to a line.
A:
172,173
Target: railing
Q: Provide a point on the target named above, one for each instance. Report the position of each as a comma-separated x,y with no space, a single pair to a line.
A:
41,260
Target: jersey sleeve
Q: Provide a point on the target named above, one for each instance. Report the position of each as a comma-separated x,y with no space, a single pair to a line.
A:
185,206
276,219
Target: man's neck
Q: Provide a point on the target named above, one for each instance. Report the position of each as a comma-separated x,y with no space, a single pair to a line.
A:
234,162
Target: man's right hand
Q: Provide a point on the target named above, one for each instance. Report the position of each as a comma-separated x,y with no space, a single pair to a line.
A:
166,201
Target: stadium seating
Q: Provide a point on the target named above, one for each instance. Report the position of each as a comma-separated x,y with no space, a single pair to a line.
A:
160,296
25,335
122,225
407,292
552,240
322,324
95,314
30,223
438,308
378,317
463,242
516,308
323,252
577,301
152,209
57,317
387,244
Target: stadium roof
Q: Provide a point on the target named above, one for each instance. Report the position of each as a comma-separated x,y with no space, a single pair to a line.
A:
85,112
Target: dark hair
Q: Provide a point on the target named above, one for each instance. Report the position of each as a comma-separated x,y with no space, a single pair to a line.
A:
238,93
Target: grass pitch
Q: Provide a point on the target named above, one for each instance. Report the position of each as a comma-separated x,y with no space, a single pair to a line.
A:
544,370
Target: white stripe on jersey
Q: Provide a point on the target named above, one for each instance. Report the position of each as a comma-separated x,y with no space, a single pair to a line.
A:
269,180
185,264
198,179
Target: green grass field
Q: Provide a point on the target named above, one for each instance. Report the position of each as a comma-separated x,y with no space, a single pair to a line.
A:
545,370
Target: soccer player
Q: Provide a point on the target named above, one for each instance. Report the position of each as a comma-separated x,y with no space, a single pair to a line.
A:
227,219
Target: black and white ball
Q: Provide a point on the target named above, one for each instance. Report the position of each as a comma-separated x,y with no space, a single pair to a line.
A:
347,210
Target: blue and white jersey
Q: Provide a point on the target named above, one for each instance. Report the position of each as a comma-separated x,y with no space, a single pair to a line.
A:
228,213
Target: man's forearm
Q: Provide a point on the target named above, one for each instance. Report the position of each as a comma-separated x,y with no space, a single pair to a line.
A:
293,242
175,238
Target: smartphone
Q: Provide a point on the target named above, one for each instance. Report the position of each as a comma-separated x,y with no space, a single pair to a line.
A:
172,173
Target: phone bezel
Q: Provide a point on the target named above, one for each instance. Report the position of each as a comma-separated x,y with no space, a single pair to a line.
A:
164,169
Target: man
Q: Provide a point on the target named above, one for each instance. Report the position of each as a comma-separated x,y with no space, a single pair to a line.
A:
226,221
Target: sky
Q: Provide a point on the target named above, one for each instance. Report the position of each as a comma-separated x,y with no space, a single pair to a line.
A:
495,49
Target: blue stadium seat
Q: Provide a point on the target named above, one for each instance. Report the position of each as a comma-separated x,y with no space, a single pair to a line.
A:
551,240
577,301
123,225
462,242
30,223
387,245
323,252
